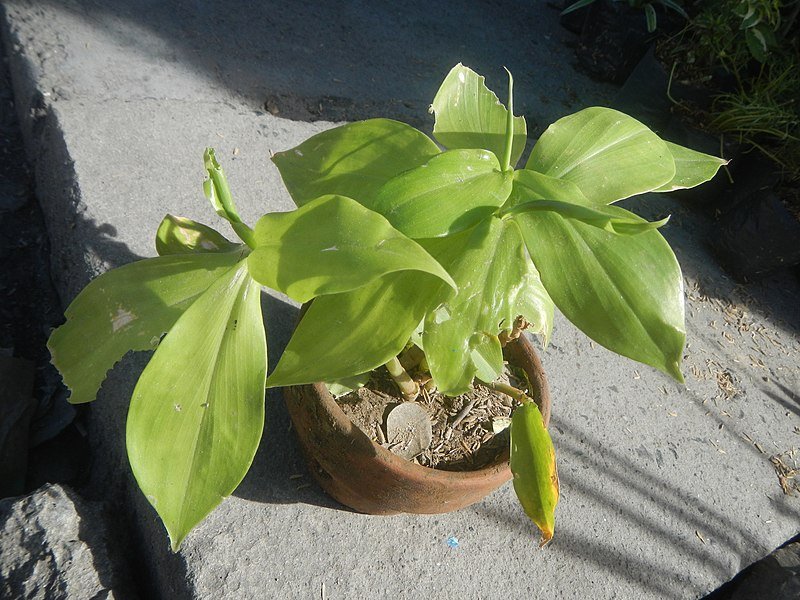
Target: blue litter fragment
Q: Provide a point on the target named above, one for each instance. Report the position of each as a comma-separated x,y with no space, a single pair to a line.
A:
452,541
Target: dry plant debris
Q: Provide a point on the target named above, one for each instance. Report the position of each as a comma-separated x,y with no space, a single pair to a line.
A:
786,468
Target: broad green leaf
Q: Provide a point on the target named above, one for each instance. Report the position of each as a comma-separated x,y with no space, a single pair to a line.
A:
353,160
179,235
624,292
450,193
606,153
469,115
496,283
217,190
197,412
533,464
691,168
128,308
332,244
342,335
534,192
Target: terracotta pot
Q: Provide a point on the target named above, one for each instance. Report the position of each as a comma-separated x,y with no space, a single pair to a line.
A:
370,479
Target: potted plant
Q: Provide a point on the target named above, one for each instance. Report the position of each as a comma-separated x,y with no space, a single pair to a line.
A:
399,244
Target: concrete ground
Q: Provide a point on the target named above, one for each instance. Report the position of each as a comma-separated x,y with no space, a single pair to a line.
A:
667,490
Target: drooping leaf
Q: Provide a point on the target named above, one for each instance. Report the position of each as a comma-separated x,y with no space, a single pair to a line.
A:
606,153
357,330
125,309
450,193
534,192
353,160
197,412
624,292
217,190
599,216
332,244
691,168
533,464
496,283
179,235
469,115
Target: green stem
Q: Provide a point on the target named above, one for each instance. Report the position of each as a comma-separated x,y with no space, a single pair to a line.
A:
408,387
509,125
509,390
245,233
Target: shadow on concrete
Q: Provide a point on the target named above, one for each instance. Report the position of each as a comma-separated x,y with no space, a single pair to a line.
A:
347,60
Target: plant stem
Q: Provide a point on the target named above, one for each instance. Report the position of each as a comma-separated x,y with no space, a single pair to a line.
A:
509,390
245,233
408,387
509,125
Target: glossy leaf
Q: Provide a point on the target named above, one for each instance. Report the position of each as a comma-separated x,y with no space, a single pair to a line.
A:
605,153
197,412
469,115
353,160
179,235
358,330
216,188
534,192
533,464
624,292
332,244
532,185
600,216
126,309
496,284
450,193
691,168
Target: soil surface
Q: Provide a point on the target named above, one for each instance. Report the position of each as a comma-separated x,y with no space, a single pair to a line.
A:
468,430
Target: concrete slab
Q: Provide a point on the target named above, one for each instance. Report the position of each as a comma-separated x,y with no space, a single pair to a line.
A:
667,491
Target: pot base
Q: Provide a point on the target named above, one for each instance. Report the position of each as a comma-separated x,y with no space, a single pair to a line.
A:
370,479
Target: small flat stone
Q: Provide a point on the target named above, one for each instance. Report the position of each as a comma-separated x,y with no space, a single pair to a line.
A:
408,430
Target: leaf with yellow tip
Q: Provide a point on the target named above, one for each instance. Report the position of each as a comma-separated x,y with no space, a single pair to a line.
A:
533,463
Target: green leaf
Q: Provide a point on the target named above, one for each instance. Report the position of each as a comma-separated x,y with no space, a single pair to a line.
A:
179,235
348,384
605,153
197,412
691,168
128,308
533,464
497,283
469,115
342,335
534,192
575,6
487,356
532,185
450,193
216,188
332,244
650,16
624,292
353,160
603,217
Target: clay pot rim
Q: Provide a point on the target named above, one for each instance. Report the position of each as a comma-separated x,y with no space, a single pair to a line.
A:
522,350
